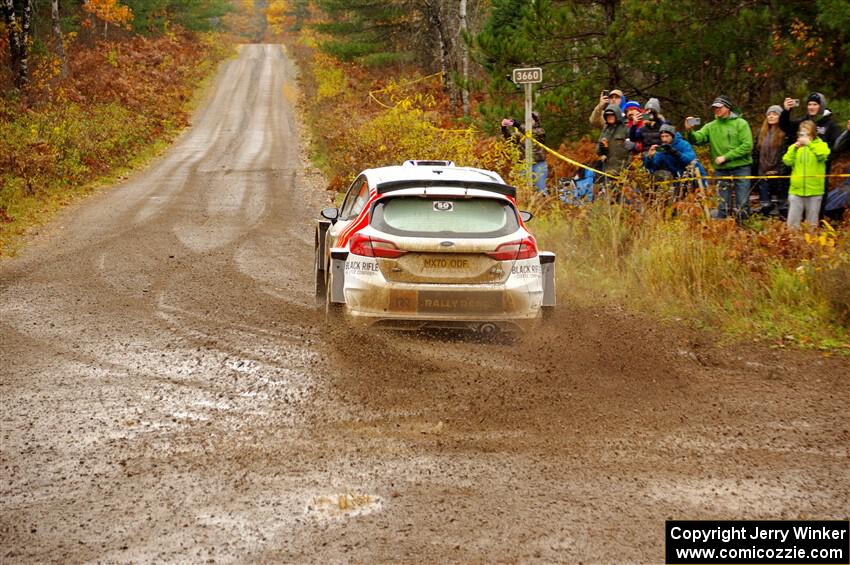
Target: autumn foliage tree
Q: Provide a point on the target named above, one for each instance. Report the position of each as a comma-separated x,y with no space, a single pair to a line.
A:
109,12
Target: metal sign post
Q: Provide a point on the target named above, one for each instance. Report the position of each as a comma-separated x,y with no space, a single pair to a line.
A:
527,77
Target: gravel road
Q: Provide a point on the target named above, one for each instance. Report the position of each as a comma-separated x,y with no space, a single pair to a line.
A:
169,393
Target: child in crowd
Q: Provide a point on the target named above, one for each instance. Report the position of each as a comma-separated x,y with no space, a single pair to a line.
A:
807,159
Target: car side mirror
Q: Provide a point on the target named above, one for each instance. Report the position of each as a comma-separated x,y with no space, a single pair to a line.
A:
525,215
331,214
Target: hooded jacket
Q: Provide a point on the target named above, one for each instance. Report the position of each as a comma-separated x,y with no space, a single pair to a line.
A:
674,157
730,137
617,154
827,129
808,165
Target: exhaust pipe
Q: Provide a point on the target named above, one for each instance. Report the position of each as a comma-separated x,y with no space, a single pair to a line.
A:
488,329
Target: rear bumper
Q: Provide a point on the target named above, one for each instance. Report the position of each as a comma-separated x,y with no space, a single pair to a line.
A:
372,300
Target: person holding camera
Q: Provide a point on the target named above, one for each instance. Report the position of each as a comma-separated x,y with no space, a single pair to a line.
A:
648,133
605,98
731,143
514,130
672,154
817,112
807,158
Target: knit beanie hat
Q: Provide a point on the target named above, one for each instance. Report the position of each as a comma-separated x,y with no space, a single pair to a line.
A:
721,101
775,109
653,104
667,128
631,104
817,97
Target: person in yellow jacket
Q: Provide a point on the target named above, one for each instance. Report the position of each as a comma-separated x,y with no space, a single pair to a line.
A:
807,159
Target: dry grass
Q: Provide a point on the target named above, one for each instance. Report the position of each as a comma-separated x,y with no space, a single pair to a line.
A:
759,281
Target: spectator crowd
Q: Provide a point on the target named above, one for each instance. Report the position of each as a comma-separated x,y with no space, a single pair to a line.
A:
791,152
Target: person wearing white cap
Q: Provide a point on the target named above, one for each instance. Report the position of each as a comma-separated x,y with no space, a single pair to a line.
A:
731,143
605,98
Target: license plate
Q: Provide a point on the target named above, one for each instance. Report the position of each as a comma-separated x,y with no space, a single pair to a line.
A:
444,263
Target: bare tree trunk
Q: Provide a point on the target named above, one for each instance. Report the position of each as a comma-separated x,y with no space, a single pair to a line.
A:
464,59
57,37
437,22
14,37
614,75
19,39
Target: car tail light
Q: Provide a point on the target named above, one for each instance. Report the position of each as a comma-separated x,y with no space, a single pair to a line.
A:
513,250
367,246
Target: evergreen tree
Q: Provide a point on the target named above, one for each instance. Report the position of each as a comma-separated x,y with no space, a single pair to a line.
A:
371,31
684,52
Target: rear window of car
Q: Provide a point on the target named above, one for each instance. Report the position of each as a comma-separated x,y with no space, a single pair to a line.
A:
445,217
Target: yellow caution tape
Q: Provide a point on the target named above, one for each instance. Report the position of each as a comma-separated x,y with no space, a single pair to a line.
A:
749,177
372,96
400,85
529,135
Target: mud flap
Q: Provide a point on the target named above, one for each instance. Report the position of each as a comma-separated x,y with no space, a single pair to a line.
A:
337,275
321,231
547,265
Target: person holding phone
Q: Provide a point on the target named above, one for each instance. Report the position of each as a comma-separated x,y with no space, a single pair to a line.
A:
605,97
817,112
649,132
731,143
807,158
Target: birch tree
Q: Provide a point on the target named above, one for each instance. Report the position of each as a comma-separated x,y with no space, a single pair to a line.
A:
18,15
57,38
464,57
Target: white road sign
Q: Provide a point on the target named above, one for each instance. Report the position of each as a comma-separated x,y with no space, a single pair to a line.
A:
528,76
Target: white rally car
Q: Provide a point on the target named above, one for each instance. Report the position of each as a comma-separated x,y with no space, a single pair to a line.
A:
431,245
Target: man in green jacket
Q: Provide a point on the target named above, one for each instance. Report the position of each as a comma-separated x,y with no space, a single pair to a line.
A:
731,143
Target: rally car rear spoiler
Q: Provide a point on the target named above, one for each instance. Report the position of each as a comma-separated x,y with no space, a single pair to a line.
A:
498,188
